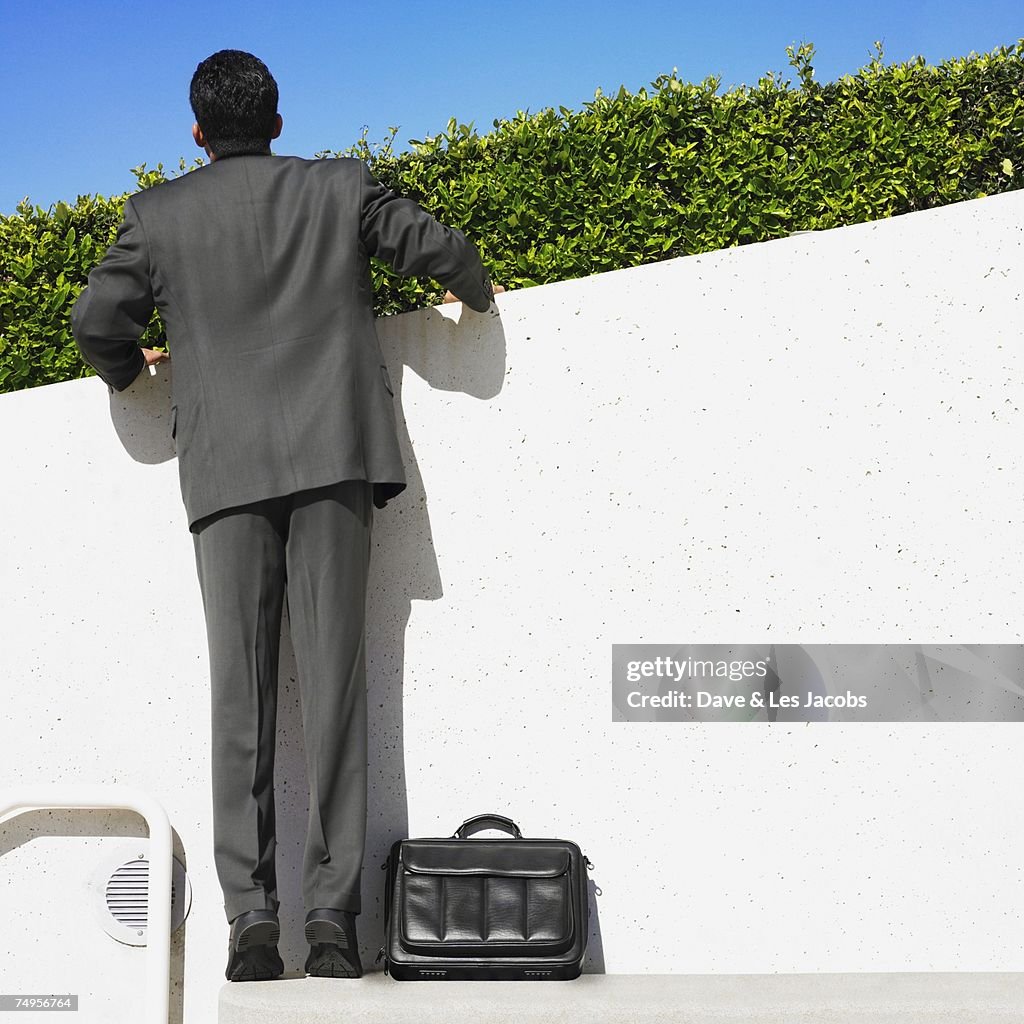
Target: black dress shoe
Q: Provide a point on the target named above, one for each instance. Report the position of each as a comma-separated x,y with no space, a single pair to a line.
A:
252,948
333,947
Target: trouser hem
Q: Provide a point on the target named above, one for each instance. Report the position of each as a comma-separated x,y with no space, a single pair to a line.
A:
255,900
350,902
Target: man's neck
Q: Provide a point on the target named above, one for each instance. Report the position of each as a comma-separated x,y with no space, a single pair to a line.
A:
243,152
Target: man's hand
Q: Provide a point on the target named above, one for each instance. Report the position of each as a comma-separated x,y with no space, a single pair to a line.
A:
450,297
153,356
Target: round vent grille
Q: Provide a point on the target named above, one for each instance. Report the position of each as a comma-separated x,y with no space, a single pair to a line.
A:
121,884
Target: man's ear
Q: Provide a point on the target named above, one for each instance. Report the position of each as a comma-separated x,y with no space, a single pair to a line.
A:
197,134
277,127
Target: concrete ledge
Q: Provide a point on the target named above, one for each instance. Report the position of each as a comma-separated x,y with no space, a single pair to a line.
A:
643,998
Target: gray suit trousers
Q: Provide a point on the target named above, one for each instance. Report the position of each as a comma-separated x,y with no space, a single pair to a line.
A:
310,549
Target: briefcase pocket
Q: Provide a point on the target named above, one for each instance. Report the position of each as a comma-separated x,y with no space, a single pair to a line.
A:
387,380
475,901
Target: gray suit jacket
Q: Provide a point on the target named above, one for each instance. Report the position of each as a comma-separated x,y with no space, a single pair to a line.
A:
259,266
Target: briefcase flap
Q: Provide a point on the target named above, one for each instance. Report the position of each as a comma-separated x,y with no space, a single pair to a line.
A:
486,898
513,857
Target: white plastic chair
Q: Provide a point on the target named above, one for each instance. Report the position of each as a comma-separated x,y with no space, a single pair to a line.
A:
158,918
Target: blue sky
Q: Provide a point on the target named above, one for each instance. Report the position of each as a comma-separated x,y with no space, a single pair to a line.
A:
93,88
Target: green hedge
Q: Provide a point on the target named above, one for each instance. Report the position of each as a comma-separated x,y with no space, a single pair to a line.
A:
630,179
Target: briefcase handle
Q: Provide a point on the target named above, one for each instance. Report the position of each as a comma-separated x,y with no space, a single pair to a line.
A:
482,821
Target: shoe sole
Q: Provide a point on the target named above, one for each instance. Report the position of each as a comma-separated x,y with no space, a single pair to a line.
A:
254,955
328,954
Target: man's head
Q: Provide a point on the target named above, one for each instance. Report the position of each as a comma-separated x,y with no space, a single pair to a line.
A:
234,99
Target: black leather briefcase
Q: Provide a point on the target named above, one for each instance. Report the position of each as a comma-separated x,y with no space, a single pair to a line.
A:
460,909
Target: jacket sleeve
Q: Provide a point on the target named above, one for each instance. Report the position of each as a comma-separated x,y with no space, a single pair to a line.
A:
116,305
401,232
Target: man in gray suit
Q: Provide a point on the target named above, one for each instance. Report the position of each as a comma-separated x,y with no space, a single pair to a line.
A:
283,418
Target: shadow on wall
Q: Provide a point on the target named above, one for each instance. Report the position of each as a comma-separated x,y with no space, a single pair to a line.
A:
466,355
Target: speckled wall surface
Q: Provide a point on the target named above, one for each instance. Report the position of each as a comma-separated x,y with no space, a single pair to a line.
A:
809,440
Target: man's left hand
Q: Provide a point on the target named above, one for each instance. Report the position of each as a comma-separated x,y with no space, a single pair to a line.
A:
450,296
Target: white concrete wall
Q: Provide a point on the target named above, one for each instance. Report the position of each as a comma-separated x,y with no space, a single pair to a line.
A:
808,440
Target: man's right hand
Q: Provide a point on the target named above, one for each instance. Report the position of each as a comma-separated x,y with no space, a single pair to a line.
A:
155,356
452,297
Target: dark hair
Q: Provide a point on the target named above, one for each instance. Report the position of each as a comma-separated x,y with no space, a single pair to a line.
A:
234,99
